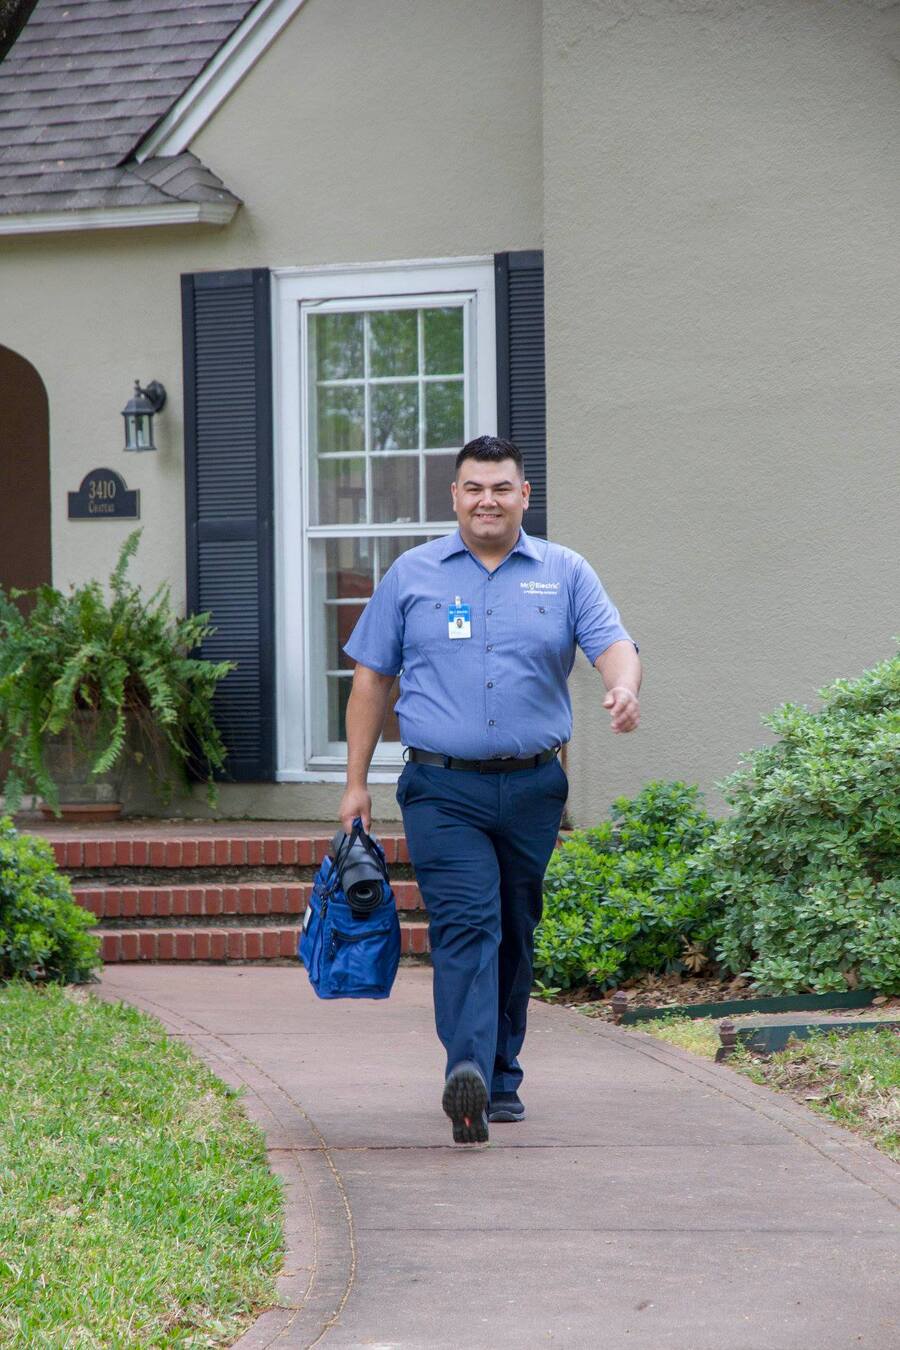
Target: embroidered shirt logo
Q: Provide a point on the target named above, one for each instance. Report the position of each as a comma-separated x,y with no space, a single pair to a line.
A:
539,585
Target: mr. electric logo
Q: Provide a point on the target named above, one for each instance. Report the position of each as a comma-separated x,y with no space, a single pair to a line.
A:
539,585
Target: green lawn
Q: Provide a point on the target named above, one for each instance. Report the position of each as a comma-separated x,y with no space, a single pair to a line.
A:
136,1205
852,1077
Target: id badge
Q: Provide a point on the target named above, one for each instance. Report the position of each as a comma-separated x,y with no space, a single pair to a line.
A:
459,620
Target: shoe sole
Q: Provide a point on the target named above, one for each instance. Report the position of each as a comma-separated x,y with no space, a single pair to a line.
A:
502,1116
465,1101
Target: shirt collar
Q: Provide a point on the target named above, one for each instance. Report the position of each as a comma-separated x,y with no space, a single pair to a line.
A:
452,544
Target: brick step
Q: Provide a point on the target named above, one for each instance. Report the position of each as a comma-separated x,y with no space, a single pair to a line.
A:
224,944
211,899
234,849
87,878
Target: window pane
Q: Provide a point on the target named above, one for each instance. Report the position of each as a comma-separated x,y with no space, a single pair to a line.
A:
443,341
394,342
395,489
340,620
390,549
338,342
444,413
344,568
340,421
395,416
339,687
439,474
342,492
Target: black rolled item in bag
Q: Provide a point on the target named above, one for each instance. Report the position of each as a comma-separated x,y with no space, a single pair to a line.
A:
361,869
348,953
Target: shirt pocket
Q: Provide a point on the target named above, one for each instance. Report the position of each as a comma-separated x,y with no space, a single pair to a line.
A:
427,626
542,624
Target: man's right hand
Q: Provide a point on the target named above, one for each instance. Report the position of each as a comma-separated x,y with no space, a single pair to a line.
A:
356,801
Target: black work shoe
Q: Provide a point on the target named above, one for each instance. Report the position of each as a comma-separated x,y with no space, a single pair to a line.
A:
506,1106
465,1102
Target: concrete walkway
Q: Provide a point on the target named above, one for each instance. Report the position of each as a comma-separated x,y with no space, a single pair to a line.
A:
648,1201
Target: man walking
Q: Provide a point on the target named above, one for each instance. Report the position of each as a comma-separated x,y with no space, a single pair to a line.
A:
481,625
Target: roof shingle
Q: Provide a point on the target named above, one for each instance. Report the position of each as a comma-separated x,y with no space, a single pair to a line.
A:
84,84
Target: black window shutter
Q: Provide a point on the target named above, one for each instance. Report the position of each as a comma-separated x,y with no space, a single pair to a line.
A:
521,389
228,473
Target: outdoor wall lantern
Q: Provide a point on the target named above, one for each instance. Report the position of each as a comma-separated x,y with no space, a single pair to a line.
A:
138,413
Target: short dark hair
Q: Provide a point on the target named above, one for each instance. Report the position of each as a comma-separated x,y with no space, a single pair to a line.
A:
491,449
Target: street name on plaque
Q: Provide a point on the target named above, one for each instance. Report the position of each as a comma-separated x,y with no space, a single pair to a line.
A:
103,495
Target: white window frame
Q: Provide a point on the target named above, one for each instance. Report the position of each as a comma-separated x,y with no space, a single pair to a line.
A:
341,285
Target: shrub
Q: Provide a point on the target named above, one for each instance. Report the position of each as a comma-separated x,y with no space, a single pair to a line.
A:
125,660
628,897
43,932
807,869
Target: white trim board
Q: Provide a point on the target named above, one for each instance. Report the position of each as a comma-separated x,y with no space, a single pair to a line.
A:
399,265
117,217
333,776
206,94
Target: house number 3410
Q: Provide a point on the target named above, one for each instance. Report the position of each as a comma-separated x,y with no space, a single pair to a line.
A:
104,495
102,489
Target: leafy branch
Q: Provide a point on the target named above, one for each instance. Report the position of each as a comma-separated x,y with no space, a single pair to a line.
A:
124,660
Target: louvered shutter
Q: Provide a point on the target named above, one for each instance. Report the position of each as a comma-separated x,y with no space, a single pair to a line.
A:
228,473
521,389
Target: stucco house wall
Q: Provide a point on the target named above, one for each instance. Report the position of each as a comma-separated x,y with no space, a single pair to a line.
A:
720,217
715,190
407,129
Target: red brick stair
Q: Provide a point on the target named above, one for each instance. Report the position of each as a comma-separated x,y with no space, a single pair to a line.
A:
210,892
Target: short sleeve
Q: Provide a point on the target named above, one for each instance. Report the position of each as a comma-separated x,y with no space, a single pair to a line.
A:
377,638
597,621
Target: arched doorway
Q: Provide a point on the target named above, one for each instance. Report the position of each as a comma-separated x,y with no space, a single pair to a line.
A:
24,474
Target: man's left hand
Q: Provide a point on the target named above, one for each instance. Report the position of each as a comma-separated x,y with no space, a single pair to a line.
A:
625,711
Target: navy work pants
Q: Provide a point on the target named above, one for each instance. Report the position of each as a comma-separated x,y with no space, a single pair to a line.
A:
480,844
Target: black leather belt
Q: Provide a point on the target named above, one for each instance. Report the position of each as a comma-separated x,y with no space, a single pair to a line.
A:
482,765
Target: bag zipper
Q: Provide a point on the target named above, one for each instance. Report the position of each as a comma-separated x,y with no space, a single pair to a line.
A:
352,937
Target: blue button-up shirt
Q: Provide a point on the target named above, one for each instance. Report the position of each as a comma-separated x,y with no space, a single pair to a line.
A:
504,690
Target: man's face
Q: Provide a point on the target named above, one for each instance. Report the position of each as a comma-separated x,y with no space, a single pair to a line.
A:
489,499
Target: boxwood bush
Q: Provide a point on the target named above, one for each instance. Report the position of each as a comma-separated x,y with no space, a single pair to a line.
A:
43,932
807,868
628,897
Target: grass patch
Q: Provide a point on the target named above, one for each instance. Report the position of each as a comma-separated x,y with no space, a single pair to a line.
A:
136,1204
852,1077
698,1034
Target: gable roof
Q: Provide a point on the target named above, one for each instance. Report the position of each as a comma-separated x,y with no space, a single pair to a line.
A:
82,87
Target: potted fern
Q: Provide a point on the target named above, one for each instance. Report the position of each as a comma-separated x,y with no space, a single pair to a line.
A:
89,682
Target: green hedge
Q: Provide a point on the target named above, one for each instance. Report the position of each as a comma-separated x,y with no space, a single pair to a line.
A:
807,869
43,932
628,897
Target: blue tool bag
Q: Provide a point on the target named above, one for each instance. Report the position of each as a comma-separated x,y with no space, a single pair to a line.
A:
351,950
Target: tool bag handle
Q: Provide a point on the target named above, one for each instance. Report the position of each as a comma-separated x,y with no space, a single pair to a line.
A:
342,851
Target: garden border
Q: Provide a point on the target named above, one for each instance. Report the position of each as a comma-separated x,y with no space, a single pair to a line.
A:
856,998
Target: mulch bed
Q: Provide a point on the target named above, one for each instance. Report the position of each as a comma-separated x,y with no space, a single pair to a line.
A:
657,991
672,991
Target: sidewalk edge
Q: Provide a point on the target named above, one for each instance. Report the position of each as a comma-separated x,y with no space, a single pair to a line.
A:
319,1263
841,1147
